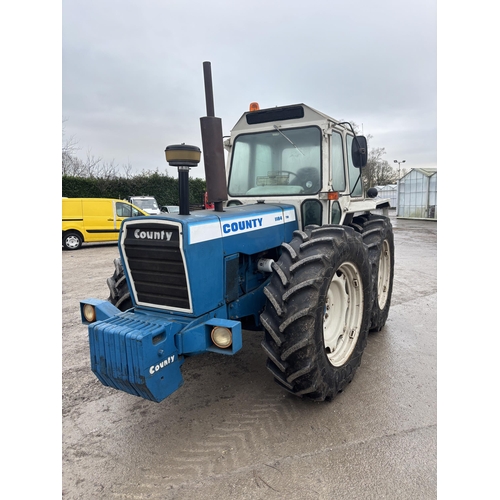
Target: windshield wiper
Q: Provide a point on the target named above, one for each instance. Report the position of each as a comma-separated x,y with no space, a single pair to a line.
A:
276,127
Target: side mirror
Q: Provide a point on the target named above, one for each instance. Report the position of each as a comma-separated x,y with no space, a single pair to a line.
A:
359,151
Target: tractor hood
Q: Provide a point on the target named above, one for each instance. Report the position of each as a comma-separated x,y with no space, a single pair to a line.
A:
174,263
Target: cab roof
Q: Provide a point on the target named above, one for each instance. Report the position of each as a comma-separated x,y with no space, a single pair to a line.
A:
294,114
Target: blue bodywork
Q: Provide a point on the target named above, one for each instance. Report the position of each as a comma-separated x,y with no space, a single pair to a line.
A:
187,274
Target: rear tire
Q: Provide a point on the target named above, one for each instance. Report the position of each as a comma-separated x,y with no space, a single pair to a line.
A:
119,292
378,236
317,313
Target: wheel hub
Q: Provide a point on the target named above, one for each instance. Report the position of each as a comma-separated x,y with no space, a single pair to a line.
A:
343,314
72,242
384,274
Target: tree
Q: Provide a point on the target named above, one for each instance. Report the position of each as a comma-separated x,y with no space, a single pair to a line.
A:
71,165
92,167
378,172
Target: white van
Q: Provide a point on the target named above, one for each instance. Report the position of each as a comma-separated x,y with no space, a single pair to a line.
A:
146,203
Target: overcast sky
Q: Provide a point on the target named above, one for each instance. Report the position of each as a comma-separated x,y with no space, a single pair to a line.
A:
132,71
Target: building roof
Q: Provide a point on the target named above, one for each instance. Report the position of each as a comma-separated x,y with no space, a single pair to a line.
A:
429,172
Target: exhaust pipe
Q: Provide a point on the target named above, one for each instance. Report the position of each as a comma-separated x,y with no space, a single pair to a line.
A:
213,147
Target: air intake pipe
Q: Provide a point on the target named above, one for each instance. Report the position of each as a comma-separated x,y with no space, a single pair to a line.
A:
213,147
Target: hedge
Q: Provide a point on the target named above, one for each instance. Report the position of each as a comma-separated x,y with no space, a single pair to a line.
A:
163,187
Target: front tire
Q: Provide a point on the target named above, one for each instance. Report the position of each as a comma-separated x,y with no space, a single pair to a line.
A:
119,292
317,313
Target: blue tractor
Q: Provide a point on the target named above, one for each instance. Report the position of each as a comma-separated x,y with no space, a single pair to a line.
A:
292,248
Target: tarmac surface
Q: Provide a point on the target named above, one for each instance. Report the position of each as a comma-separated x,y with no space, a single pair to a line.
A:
230,432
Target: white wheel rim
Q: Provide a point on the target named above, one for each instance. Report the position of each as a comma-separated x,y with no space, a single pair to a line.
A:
72,242
343,314
384,274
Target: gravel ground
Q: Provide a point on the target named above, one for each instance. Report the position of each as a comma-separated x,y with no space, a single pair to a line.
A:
231,433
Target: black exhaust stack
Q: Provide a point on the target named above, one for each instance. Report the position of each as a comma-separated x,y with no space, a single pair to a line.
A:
213,147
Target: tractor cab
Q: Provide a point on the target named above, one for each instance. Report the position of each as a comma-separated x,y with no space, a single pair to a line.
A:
295,154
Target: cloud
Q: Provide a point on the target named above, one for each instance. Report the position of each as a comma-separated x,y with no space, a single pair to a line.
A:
133,78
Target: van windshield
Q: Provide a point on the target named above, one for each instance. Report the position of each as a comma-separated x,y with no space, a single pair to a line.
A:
145,203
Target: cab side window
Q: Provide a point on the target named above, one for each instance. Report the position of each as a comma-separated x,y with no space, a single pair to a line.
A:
337,162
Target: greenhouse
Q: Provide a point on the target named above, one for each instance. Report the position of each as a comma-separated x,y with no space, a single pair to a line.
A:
417,194
388,192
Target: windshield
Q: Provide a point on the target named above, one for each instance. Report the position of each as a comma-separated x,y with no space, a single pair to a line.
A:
278,162
149,203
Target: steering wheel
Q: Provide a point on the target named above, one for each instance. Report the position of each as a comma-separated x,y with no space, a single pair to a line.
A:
287,172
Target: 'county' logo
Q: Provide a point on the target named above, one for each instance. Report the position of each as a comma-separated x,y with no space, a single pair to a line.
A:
242,225
152,235
162,364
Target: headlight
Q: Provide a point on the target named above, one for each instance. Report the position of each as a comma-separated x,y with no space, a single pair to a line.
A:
89,313
221,337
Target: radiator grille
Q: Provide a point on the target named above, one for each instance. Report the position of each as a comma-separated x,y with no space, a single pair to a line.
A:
156,264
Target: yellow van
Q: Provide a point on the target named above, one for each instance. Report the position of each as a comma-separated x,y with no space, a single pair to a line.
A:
93,219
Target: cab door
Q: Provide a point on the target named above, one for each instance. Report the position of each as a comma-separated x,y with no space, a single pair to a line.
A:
103,218
122,210
98,216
